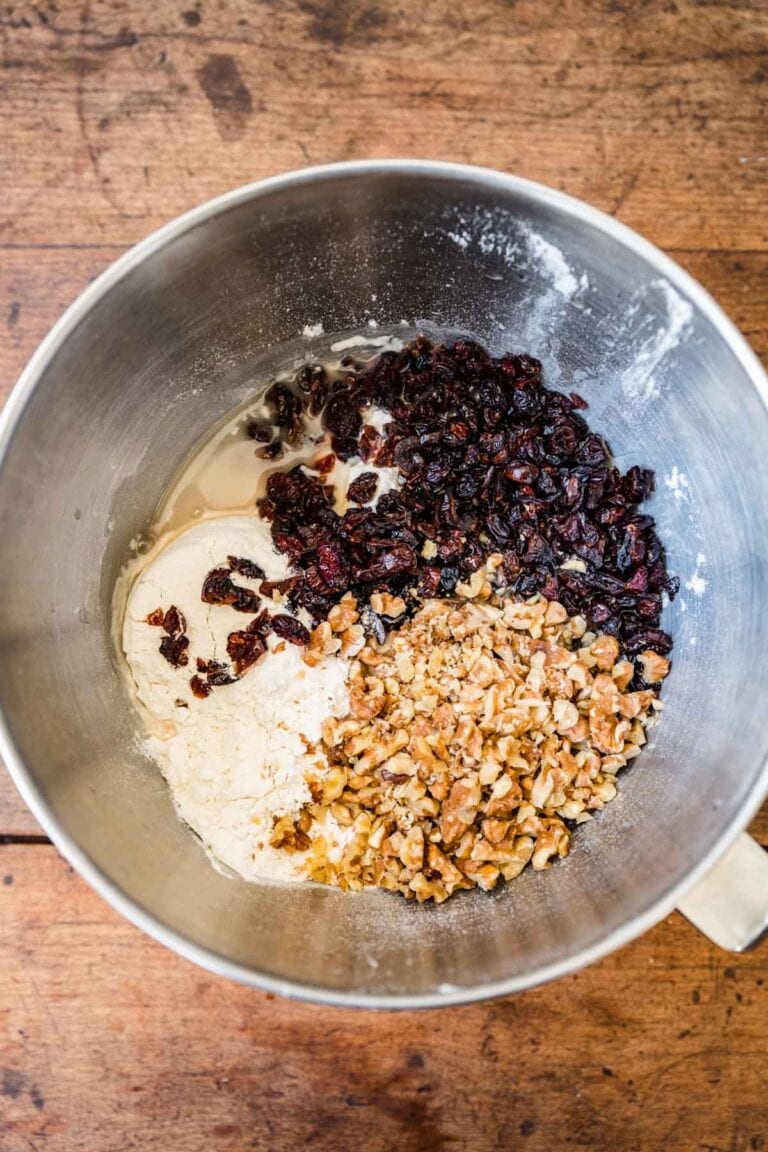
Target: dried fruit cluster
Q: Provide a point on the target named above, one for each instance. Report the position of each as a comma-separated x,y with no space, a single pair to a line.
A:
175,642
490,460
477,734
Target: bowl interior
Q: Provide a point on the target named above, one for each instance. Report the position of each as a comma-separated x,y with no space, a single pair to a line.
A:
186,331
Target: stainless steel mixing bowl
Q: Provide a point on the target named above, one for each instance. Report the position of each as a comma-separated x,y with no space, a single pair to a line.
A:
178,332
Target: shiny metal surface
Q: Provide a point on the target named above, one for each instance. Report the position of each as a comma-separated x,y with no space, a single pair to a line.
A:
174,335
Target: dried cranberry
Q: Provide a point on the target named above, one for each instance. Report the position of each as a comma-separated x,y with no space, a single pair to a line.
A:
248,568
521,473
285,407
259,626
216,674
246,600
244,648
457,432
592,451
466,485
398,561
332,564
653,638
638,582
408,455
550,587
306,377
291,629
283,489
318,396
631,550
289,543
637,485
218,588
511,565
345,447
174,649
341,417
363,489
259,430
600,611
173,621
430,581
437,473
369,444
283,587
156,618
199,687
499,528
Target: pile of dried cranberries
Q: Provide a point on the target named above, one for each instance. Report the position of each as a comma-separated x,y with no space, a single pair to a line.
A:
490,461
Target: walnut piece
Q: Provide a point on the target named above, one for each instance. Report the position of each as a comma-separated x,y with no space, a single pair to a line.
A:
655,667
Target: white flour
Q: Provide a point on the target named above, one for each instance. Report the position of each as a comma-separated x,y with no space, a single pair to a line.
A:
639,382
525,251
518,244
650,332
552,259
239,757
697,584
677,482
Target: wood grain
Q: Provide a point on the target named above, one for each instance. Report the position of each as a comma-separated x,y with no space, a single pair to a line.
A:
113,1043
117,117
122,117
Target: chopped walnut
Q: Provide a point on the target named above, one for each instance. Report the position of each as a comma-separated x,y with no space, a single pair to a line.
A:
476,730
344,614
655,667
383,604
322,643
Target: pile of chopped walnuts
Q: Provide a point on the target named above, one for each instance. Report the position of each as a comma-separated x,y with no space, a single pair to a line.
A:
476,731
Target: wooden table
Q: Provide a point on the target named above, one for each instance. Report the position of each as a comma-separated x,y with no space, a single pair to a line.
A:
115,118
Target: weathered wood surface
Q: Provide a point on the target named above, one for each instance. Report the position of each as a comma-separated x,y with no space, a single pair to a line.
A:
113,119
120,116
110,1042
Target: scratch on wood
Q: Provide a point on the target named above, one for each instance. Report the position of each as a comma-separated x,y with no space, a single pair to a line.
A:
93,153
626,191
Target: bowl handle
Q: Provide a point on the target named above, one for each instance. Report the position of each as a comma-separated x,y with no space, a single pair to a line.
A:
730,904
